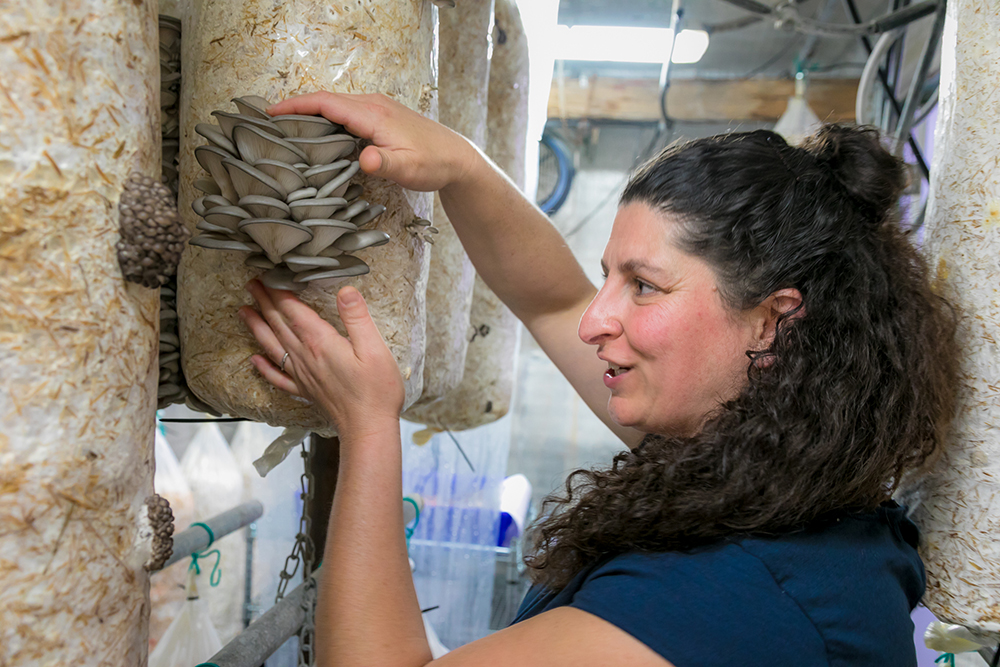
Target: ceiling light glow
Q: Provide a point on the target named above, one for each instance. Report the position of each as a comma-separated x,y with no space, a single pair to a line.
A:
628,44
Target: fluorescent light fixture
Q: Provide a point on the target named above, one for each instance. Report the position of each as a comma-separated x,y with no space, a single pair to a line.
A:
627,44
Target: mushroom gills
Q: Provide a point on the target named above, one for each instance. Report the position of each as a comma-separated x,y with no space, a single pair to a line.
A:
307,127
349,266
228,121
281,278
360,240
256,144
215,242
264,207
248,180
307,209
275,237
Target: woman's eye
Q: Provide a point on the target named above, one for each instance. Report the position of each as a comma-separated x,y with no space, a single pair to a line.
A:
643,288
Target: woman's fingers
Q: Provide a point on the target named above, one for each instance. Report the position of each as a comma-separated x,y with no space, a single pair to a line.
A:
364,335
261,330
271,373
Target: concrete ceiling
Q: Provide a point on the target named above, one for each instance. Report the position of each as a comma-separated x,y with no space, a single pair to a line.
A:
738,46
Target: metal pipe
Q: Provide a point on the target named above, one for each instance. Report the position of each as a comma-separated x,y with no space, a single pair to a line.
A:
852,11
905,123
265,635
249,608
196,538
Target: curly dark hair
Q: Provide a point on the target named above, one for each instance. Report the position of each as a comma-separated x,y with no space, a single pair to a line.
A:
859,385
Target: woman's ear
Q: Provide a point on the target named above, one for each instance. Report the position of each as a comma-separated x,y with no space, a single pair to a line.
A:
784,302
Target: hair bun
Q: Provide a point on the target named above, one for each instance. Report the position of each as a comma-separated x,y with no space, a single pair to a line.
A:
855,157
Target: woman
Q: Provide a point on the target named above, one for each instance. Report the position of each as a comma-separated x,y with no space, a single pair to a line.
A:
765,331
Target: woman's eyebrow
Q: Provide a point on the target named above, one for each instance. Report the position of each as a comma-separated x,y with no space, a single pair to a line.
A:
638,266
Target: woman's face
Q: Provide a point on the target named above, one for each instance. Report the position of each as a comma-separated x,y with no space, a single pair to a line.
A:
674,351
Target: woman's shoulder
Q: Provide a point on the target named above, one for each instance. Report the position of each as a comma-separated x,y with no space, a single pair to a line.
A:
840,591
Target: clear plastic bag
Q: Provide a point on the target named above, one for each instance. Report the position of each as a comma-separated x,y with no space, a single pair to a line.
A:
191,639
217,485
166,587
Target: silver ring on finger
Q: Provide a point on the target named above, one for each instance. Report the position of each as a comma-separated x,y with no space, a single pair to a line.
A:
283,360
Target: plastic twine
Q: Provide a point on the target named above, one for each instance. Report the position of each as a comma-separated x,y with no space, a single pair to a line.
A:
416,520
216,576
947,658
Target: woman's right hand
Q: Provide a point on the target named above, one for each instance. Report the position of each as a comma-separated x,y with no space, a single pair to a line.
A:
415,152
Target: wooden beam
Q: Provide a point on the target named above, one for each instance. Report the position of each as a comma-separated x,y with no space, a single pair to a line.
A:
599,97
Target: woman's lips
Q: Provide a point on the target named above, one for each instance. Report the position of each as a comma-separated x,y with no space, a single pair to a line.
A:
613,376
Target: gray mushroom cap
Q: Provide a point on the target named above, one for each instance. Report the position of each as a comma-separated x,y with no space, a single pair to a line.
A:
305,209
218,242
264,207
248,180
253,105
349,266
214,201
216,137
290,178
322,174
369,214
256,144
325,232
227,216
275,237
323,150
336,187
259,262
228,121
300,263
294,125
281,278
208,186
211,159
304,193
354,190
359,240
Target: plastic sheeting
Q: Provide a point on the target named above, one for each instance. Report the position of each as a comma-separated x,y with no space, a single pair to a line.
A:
217,485
454,543
166,587
960,514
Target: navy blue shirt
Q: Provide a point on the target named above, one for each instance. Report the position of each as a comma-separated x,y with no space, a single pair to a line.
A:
836,595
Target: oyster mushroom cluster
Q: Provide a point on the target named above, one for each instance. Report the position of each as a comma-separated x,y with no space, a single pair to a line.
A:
280,191
170,90
161,524
152,236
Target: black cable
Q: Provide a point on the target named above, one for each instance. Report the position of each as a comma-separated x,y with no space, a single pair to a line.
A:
773,59
460,450
424,611
203,421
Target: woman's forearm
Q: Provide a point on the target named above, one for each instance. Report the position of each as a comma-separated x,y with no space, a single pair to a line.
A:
513,245
367,612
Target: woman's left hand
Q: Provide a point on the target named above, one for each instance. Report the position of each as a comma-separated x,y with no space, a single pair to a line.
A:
355,380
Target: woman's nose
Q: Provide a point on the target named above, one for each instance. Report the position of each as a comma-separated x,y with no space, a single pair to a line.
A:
599,322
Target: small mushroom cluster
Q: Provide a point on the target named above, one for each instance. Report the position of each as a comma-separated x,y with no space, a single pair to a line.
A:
170,89
161,522
152,236
280,190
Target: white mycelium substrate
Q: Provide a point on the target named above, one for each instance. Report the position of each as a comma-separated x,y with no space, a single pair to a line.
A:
78,358
960,513
463,76
236,48
487,385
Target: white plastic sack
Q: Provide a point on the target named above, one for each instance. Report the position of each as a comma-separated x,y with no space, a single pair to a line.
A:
217,485
191,639
279,493
166,587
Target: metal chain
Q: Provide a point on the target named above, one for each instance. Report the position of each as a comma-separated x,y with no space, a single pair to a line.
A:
303,553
